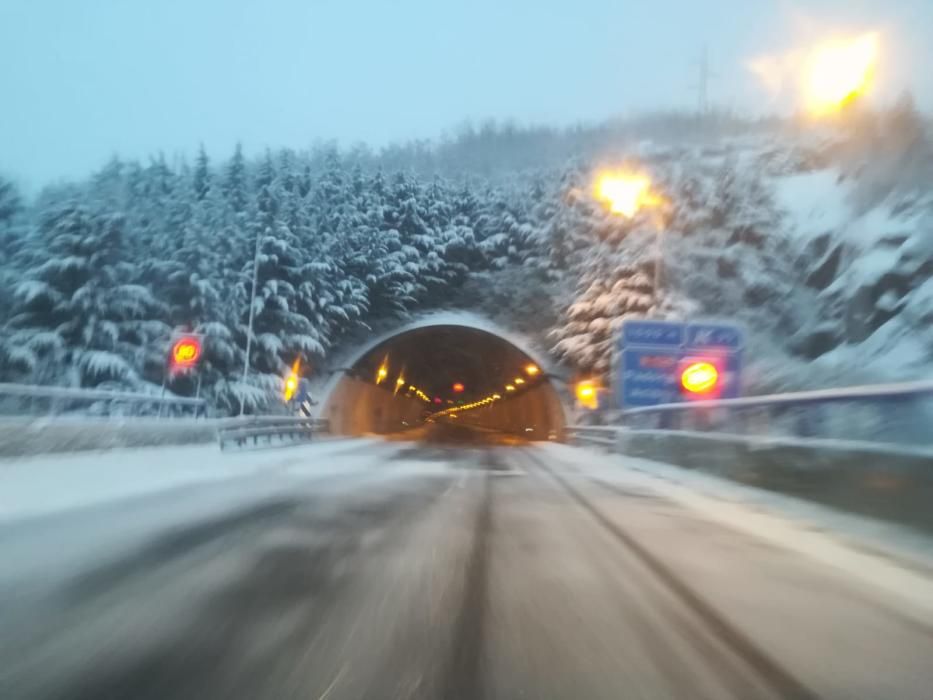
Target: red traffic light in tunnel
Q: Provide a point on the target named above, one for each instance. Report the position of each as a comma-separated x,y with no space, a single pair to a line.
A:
186,352
700,378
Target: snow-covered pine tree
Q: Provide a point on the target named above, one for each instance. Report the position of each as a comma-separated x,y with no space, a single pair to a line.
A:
396,284
75,320
12,244
610,289
235,181
201,179
11,203
568,230
12,238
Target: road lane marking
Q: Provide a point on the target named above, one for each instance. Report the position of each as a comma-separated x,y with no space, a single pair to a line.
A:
333,683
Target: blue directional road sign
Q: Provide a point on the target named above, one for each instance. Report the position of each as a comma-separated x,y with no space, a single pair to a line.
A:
649,376
647,372
713,335
653,334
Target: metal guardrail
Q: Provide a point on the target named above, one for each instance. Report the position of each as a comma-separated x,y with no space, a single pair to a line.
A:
294,428
884,413
873,392
594,434
56,400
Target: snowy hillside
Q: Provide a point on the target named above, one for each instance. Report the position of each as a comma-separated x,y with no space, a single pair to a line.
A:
821,243
863,228
873,275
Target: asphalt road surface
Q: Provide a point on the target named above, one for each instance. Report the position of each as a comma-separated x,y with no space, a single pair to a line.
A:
444,571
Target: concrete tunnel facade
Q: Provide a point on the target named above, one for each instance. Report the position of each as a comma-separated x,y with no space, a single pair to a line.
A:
430,356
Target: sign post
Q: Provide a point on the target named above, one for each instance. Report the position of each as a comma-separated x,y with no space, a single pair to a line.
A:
661,361
183,357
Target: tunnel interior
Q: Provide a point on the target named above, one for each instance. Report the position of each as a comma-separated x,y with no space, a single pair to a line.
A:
446,378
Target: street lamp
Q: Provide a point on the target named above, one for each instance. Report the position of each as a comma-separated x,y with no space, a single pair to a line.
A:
626,193
587,392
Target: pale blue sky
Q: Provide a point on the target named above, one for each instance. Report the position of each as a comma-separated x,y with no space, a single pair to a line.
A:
83,79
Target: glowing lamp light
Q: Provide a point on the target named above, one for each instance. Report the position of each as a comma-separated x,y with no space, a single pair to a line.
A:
587,392
839,72
291,385
458,388
519,380
509,387
496,397
625,193
699,378
531,370
438,399
291,381
186,352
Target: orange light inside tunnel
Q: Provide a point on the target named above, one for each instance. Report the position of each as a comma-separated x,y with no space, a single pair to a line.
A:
699,378
463,364
383,371
509,387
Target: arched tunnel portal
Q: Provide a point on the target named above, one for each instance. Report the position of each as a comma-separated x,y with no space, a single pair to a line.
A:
445,376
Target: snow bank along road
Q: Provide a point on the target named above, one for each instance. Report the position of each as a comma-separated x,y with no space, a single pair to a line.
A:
365,569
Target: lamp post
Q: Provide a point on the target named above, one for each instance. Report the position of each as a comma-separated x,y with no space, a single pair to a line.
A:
627,192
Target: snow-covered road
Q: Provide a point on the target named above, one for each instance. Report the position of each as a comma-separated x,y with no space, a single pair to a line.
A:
365,569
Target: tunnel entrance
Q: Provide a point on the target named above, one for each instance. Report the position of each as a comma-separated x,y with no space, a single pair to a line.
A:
445,380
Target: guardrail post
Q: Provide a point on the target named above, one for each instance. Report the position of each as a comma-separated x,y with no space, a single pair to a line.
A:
621,441
739,421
